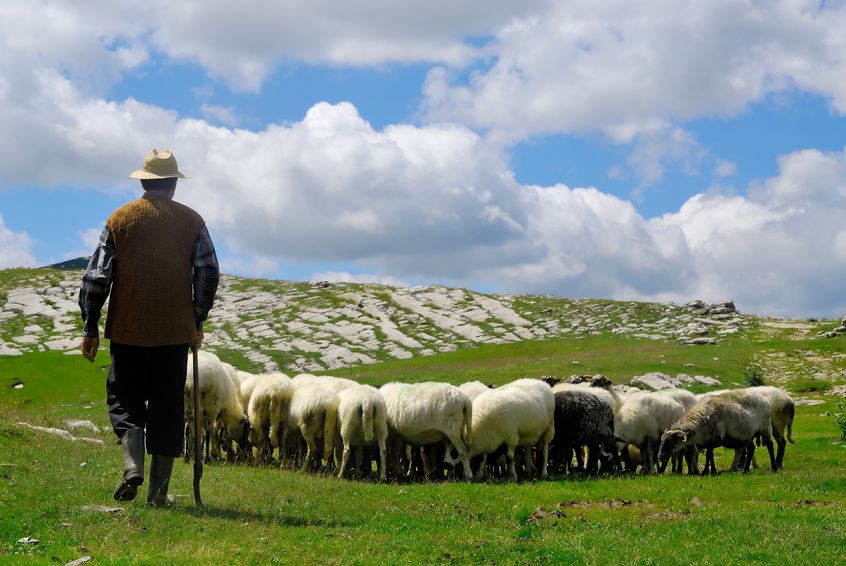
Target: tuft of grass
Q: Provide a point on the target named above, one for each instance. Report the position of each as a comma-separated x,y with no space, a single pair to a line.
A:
753,375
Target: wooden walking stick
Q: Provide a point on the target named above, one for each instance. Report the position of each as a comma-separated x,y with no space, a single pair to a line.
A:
198,452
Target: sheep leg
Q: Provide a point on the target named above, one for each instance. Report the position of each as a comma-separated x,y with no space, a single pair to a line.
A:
345,459
580,460
773,462
646,452
566,459
480,474
782,444
358,454
460,447
310,451
528,465
692,457
509,457
750,453
710,466
383,454
427,466
626,458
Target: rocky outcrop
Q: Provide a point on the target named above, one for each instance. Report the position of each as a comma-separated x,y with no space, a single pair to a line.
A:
839,331
291,326
655,381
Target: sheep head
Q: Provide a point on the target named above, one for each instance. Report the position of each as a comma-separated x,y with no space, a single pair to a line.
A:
672,441
600,380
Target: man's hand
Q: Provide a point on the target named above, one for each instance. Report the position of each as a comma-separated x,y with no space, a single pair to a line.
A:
89,348
198,341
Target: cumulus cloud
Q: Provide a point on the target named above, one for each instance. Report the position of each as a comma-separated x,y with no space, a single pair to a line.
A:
15,248
626,67
242,46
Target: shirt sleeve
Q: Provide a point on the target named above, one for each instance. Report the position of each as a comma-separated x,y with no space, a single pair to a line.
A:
206,276
97,283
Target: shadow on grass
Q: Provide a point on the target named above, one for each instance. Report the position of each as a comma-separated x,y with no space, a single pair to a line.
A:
281,519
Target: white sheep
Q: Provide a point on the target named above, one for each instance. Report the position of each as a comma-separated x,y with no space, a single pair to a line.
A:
683,396
269,397
220,405
782,411
520,413
362,420
426,413
641,421
473,389
313,414
337,384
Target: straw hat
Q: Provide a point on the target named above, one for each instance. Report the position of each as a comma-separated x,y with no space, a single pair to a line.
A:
158,165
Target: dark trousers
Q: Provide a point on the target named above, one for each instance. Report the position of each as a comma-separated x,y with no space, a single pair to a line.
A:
145,388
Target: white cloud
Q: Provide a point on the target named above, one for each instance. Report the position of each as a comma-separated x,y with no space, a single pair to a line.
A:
631,69
225,115
724,169
626,67
15,248
243,45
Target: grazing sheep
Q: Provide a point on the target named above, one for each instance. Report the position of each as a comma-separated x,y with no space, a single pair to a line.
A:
782,411
313,413
583,419
362,420
220,405
428,413
683,396
641,421
337,384
759,405
520,413
602,382
714,421
269,398
473,388
599,392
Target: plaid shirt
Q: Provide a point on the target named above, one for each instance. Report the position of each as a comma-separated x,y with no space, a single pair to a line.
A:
97,281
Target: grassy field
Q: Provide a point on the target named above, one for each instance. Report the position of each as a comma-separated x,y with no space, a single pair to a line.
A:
53,490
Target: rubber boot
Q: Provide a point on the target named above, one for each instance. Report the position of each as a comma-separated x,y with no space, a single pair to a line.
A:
132,445
160,470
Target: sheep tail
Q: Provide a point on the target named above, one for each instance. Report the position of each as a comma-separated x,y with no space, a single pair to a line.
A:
467,432
367,411
329,426
790,425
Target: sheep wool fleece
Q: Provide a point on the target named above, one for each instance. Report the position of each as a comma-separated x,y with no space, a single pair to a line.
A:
151,299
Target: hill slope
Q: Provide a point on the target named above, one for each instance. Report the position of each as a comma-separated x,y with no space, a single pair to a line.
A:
265,325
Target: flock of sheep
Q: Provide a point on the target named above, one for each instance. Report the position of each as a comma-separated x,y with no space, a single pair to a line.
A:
524,428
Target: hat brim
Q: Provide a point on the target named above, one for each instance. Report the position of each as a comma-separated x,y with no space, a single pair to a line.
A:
142,174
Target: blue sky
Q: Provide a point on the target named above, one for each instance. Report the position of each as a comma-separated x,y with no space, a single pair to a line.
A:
633,150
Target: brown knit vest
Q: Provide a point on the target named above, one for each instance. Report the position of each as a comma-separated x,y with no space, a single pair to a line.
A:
151,302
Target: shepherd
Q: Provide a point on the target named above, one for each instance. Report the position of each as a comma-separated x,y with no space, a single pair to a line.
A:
156,263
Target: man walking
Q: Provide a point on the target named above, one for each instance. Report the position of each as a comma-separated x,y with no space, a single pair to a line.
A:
156,262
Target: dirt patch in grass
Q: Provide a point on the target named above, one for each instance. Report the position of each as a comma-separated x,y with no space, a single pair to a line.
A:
541,514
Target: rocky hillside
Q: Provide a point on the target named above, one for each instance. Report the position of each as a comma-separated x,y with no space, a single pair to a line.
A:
320,326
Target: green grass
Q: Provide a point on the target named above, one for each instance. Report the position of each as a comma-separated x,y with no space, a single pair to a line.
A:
265,515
